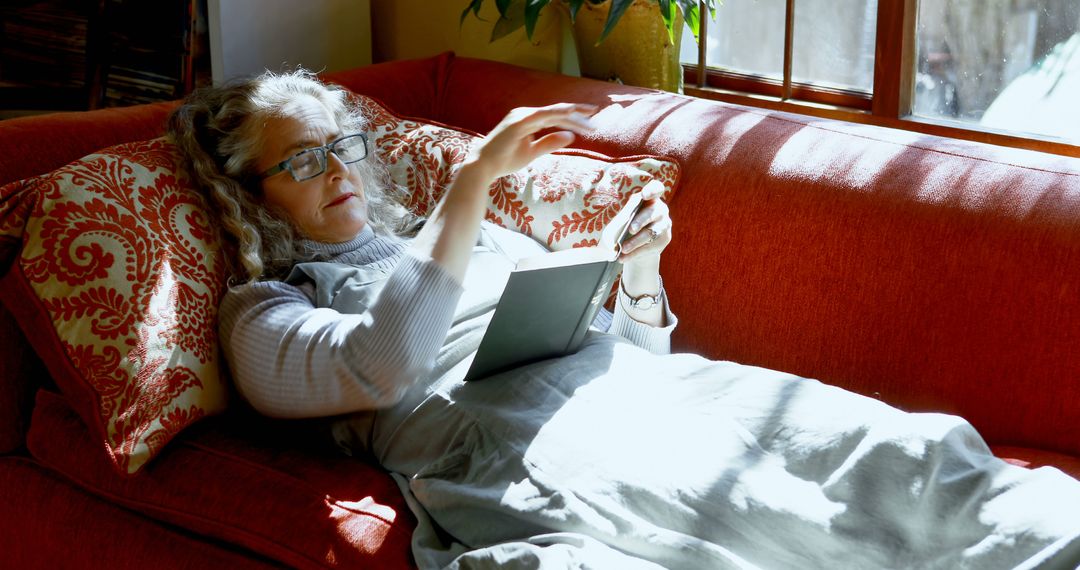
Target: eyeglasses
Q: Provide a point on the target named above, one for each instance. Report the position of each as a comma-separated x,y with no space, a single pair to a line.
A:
311,162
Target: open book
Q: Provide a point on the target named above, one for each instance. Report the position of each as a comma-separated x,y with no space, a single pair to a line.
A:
551,299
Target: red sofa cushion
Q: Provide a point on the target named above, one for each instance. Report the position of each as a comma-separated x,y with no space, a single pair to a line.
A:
1035,458
415,87
16,389
220,479
47,523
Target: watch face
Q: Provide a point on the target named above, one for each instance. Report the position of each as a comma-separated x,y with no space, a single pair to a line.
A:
644,303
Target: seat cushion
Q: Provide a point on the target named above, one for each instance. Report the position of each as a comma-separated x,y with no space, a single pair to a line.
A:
221,480
1035,458
47,523
20,372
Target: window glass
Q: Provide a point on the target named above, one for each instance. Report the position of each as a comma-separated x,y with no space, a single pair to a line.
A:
834,43
1001,64
746,37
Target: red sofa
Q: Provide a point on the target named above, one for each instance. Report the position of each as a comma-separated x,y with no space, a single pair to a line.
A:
931,273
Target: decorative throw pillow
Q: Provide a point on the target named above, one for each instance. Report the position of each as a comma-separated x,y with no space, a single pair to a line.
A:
117,284
562,200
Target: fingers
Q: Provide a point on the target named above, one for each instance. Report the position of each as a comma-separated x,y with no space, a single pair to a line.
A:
552,142
650,211
653,190
512,144
573,117
650,230
652,239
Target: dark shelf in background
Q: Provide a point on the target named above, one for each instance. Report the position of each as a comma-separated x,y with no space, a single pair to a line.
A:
87,54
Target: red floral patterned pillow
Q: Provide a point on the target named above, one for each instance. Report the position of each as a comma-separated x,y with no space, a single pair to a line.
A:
117,283
562,200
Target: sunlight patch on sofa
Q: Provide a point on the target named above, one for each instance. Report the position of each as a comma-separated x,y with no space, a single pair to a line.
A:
854,164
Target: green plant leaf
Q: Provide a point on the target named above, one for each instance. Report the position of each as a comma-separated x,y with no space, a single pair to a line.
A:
693,17
575,5
532,13
616,12
667,12
503,5
512,18
474,5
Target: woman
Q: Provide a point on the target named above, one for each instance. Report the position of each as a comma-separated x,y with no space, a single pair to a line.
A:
618,456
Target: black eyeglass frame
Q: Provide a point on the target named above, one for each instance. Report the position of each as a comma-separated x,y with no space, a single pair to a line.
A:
320,156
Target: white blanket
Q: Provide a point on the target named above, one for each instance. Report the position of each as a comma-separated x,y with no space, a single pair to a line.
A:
615,458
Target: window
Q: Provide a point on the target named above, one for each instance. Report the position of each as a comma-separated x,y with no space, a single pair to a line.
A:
1011,65
1000,71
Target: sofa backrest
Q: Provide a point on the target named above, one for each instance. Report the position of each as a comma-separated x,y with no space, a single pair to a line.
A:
935,274
931,273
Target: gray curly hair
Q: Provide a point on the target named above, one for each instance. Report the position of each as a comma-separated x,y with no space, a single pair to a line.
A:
218,130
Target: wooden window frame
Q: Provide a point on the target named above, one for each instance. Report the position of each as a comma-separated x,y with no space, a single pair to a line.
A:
893,90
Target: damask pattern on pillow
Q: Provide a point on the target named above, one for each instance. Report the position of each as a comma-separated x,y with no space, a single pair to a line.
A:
120,253
562,200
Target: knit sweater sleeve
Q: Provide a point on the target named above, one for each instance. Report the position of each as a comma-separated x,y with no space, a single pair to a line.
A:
656,340
290,359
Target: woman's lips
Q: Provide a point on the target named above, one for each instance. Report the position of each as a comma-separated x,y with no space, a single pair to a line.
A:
339,200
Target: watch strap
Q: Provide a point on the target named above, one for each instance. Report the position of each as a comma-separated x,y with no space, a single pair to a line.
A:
642,302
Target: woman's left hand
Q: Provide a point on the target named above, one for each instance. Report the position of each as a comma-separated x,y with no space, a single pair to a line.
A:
650,230
650,233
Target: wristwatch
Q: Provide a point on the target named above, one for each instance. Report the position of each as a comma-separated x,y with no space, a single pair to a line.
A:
642,302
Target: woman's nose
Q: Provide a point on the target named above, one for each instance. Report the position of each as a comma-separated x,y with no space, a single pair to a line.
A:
335,167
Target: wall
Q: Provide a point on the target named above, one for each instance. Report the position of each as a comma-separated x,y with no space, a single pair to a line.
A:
406,29
247,36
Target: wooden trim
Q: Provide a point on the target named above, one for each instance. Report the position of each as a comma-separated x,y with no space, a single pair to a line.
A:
831,96
756,84
920,125
894,58
789,45
703,34
97,51
728,80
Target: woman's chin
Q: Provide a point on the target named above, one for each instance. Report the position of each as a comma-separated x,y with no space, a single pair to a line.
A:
340,224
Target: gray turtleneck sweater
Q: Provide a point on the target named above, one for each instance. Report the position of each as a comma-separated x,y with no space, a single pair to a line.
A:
360,330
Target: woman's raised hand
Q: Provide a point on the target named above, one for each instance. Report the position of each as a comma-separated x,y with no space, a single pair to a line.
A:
448,236
513,143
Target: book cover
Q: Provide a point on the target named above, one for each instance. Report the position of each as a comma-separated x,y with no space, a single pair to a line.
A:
550,300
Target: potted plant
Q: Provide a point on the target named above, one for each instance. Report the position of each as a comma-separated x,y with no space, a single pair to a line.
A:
643,49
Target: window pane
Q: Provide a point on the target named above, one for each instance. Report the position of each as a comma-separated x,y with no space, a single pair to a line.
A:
834,43
1003,64
747,37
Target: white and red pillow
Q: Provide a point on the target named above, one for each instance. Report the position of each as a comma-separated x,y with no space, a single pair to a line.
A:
562,200
117,284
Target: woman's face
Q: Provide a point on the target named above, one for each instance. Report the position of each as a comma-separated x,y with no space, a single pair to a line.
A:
330,207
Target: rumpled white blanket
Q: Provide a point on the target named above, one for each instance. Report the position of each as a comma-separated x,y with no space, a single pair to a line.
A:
615,458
